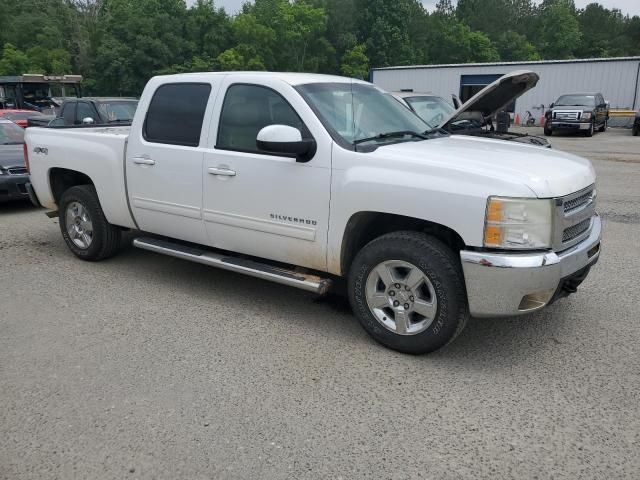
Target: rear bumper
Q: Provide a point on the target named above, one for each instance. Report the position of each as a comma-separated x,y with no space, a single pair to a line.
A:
557,125
505,284
13,187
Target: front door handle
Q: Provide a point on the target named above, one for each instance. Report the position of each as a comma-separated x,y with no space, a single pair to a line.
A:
143,161
225,172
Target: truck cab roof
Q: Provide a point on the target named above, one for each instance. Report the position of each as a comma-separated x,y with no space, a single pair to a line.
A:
292,78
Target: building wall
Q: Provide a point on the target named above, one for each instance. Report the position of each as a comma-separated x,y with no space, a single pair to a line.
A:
617,80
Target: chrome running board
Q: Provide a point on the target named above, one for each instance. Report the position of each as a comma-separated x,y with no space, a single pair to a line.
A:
308,282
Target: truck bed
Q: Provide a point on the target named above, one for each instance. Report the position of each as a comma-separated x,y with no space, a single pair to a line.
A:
98,151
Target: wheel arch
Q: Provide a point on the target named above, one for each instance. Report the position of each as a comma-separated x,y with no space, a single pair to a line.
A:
363,227
61,179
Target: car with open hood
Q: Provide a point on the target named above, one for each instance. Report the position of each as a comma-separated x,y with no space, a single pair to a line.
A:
475,116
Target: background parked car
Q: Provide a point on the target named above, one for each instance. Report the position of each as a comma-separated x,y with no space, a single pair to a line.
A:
474,117
99,111
20,117
13,171
577,112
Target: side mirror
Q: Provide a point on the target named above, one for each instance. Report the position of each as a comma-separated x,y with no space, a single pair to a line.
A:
285,140
456,101
552,105
88,121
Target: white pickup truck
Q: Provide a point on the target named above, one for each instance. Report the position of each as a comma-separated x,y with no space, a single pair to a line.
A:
302,179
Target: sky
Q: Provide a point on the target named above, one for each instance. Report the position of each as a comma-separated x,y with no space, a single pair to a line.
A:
632,7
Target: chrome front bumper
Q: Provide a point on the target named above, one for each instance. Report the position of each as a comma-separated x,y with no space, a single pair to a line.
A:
505,284
569,125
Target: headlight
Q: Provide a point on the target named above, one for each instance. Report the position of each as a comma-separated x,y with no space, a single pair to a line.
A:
518,223
586,116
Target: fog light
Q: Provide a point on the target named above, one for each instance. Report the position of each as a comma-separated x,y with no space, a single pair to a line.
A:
536,300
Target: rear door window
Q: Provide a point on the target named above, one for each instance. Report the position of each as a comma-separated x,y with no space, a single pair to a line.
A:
176,113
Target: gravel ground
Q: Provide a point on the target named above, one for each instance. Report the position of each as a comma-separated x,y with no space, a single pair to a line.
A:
146,366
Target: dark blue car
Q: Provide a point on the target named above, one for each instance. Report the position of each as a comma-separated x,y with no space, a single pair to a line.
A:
13,171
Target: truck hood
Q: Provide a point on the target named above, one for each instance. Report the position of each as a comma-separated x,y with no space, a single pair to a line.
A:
495,96
547,173
11,156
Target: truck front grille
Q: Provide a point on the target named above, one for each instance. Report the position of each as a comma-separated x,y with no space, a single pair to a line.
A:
575,231
17,171
566,115
577,202
573,218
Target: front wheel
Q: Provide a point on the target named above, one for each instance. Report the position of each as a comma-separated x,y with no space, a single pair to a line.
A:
84,227
407,290
591,131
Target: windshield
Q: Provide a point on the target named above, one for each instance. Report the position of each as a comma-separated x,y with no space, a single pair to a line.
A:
577,100
117,110
11,134
359,112
432,110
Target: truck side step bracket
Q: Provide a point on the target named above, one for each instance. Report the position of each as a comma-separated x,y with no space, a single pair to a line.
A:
304,281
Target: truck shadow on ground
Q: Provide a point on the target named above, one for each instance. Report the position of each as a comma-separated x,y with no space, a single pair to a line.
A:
484,341
17,207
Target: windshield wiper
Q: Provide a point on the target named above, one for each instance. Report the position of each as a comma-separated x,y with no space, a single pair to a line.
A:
399,133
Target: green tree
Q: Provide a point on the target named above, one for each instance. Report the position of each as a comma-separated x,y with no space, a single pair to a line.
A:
382,27
13,61
137,39
494,17
602,32
560,33
514,47
355,63
454,42
241,57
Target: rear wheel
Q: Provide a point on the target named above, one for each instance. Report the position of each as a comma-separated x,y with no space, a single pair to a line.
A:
84,227
603,128
407,291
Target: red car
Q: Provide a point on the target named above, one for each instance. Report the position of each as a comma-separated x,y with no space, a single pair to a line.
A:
19,116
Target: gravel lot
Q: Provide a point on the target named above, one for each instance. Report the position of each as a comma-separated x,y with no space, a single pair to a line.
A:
146,366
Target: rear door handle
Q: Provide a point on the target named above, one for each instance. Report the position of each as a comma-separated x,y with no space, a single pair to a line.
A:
143,161
225,172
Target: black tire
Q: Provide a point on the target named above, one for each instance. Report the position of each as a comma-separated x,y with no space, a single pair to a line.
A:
105,237
636,131
592,129
438,263
603,128
547,131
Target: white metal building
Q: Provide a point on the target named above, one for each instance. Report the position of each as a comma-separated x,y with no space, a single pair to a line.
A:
616,78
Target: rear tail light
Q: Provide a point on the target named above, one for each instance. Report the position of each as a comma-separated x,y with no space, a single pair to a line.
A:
25,149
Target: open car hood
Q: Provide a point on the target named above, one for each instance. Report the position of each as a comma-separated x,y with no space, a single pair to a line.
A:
495,96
